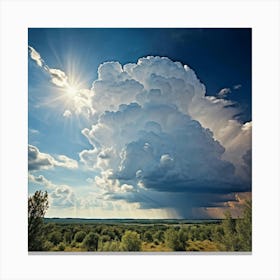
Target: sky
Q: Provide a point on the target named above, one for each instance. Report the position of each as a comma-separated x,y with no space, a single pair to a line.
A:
140,123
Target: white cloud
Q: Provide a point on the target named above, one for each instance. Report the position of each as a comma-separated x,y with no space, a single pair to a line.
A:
58,77
59,195
67,114
77,97
33,131
36,56
155,130
38,160
224,92
236,87
66,162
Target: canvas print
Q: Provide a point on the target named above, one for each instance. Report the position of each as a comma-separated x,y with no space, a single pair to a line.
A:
139,140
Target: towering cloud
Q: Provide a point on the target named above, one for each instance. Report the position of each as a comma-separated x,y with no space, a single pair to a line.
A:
158,140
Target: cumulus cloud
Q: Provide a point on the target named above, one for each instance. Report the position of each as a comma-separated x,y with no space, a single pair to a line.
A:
38,160
158,140
59,195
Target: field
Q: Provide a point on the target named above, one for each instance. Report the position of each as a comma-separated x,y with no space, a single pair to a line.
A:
146,235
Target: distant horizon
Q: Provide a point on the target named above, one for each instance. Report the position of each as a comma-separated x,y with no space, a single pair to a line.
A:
140,122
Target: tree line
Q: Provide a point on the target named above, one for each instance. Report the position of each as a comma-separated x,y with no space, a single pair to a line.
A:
228,235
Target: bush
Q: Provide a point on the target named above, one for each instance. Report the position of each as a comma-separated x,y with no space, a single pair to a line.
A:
55,237
61,246
67,237
48,246
176,240
131,241
79,236
111,246
148,236
91,241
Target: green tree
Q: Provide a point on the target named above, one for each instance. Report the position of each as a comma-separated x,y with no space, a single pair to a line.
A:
79,236
148,236
176,240
67,237
131,241
244,228
91,241
55,237
229,238
37,207
238,233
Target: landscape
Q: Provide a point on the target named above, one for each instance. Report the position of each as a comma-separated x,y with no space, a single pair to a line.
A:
139,140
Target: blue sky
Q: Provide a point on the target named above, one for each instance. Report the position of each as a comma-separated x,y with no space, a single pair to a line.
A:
114,136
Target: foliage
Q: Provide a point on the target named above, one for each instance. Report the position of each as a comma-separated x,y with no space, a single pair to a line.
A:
67,237
111,246
91,241
131,241
79,236
244,228
55,237
227,235
37,207
238,233
61,246
148,236
205,245
175,240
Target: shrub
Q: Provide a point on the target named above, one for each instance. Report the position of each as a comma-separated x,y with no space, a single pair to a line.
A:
67,237
55,237
91,241
131,241
176,240
61,246
48,246
79,236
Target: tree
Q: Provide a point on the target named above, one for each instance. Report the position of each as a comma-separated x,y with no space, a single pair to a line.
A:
148,236
244,228
131,241
55,237
79,236
67,237
238,233
37,207
91,241
176,240
229,238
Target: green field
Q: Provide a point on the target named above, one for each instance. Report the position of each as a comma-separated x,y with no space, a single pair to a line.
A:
146,235
127,235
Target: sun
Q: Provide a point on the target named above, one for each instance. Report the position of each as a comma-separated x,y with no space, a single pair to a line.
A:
71,91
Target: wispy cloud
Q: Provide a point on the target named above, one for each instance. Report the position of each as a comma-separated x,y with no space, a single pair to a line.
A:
77,97
236,87
33,131
58,77
224,92
36,56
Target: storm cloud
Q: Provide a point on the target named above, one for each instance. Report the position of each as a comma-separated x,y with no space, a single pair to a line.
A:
157,139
